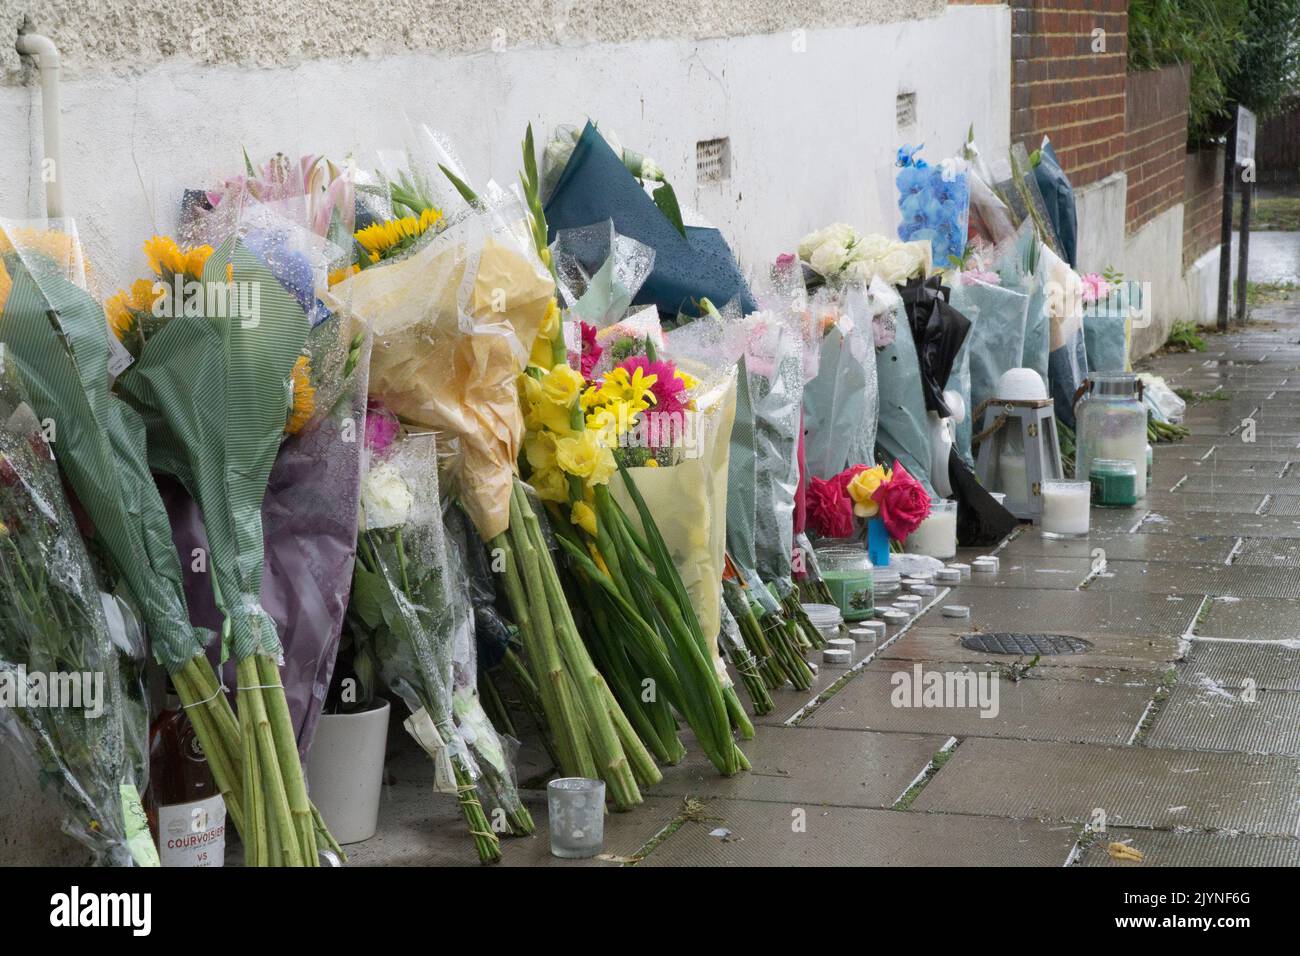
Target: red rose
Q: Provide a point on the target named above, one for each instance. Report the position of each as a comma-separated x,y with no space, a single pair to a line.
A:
904,503
842,480
829,510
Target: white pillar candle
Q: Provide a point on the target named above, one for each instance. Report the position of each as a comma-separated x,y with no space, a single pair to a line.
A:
1066,508
1014,476
937,534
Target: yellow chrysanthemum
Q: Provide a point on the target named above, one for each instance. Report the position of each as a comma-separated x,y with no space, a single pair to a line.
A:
615,418
688,381
164,256
863,486
304,397
620,386
584,517
382,238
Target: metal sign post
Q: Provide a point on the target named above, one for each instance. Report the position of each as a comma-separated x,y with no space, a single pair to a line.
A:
1225,227
1245,157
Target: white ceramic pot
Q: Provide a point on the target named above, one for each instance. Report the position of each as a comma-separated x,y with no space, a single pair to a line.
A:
345,771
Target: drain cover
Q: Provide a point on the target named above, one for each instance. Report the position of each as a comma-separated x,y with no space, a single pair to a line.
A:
1025,644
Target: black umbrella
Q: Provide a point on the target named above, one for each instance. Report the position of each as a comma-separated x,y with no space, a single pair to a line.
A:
938,331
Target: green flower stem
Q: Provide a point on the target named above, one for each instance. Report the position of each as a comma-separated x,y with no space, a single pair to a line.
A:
485,841
592,692
286,750
254,835
259,745
530,697
736,713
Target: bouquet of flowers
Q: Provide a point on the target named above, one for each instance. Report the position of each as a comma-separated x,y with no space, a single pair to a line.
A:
837,506
218,385
840,255
71,658
403,618
934,202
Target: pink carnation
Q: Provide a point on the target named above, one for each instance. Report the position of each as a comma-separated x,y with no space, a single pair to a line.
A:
381,428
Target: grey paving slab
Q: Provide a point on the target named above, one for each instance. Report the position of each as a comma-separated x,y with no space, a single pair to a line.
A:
1247,503
1257,619
1176,848
1209,717
1231,664
1133,786
1087,611
1196,579
1283,505
1268,552
811,765
1153,654
1219,525
418,827
1030,709
1232,485
1228,450
1128,547
777,834
1034,571
1223,466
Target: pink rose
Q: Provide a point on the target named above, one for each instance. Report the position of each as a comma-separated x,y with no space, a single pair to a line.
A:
1095,288
845,478
903,502
829,510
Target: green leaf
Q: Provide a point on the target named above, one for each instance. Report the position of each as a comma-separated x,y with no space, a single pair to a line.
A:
461,186
666,199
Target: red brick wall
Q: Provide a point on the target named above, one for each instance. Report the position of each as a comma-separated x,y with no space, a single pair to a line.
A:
1062,88
1155,143
1203,202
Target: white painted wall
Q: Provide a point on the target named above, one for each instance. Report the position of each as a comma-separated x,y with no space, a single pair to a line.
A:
811,130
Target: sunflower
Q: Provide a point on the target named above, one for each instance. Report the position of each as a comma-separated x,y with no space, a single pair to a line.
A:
338,275
385,239
165,257
304,397
125,309
5,285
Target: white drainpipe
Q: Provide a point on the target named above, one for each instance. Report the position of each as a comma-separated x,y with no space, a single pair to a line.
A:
47,61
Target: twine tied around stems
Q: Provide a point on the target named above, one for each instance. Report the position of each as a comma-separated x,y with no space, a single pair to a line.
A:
259,686
221,689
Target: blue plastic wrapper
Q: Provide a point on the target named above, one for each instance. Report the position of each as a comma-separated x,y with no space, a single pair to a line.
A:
596,186
1106,331
902,432
994,345
1058,197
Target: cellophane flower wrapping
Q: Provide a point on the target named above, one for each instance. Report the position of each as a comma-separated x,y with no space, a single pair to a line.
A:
410,614
58,629
842,403
688,498
902,432
454,322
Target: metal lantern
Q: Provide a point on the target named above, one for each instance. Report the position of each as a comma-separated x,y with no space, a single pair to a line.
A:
1018,451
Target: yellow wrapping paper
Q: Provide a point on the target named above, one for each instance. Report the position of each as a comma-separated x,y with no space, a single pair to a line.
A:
442,366
689,504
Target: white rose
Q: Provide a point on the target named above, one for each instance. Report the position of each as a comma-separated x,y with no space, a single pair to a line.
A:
829,259
838,233
896,266
871,247
385,497
860,272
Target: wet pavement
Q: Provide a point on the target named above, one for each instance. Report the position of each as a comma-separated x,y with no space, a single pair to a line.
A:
1175,731
1274,257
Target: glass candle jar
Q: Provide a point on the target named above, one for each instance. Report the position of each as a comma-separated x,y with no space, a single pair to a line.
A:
937,534
1114,482
848,576
1112,423
1065,509
577,817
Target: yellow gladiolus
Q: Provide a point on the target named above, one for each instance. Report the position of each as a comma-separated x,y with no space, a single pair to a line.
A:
562,385
539,450
583,455
863,486
550,484
584,517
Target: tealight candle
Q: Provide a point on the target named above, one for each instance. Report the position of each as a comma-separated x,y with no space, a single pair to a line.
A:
835,657
947,576
1066,508
896,617
843,644
962,569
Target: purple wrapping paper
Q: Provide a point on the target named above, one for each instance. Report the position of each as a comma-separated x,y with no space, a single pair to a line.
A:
309,526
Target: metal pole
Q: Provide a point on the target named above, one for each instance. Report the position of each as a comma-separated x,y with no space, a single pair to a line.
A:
1225,229
1243,247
